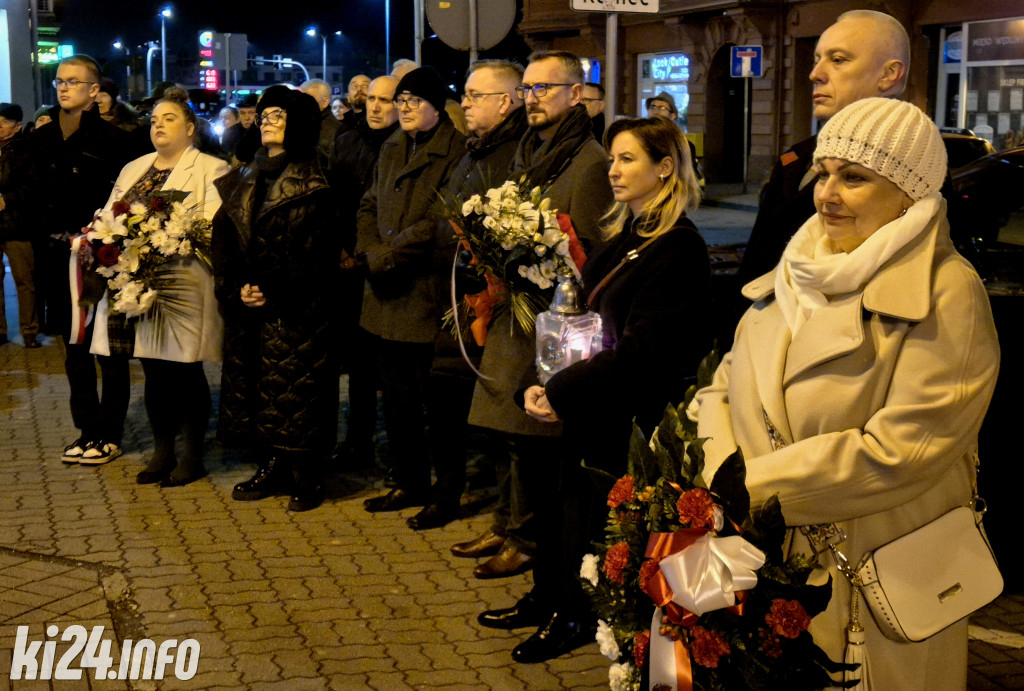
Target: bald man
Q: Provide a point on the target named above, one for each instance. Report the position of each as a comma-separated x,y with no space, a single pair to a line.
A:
329,125
864,54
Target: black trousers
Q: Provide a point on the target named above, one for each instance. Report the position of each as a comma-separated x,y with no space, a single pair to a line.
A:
177,401
98,418
451,395
405,371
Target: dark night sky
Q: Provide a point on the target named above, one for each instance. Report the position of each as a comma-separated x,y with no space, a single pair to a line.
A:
272,28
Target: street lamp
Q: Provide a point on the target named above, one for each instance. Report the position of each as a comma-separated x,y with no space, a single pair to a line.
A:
118,45
165,14
312,33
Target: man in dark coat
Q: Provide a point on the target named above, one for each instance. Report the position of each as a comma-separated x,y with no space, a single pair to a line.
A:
76,159
15,224
593,101
497,121
329,125
864,54
357,87
355,160
396,227
559,154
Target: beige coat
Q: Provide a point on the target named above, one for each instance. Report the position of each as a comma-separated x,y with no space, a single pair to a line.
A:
879,398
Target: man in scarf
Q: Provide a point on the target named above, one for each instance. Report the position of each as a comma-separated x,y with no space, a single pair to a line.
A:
560,155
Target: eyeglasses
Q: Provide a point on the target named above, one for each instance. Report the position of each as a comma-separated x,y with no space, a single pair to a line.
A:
410,102
660,109
272,118
586,101
69,83
473,97
539,91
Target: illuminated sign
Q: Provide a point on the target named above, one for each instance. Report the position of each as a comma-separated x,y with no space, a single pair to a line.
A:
206,39
674,68
209,80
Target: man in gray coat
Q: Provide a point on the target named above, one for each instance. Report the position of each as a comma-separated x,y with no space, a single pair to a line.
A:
395,241
560,155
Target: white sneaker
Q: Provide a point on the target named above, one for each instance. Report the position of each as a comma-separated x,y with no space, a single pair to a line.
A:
100,452
73,451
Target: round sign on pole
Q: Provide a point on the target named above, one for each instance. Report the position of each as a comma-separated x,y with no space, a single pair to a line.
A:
450,21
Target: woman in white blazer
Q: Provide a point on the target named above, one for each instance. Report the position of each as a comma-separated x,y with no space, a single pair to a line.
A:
173,341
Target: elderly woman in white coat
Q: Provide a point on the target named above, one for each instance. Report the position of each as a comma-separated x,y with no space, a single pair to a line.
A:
860,376
173,342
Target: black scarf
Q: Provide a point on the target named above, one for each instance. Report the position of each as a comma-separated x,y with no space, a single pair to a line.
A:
543,161
512,127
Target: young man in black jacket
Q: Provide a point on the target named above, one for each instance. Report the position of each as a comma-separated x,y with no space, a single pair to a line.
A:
77,157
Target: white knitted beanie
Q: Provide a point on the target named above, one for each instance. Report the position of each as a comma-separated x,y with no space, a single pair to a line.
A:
893,138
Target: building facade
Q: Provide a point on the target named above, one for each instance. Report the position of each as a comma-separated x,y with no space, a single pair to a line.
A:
685,49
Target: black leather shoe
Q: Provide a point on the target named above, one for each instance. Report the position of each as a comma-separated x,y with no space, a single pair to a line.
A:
481,546
183,477
527,612
557,637
395,500
433,516
269,480
353,457
151,476
389,477
307,498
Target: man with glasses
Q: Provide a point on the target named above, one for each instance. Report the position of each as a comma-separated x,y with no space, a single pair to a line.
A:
593,101
77,157
662,106
355,160
396,244
560,155
496,122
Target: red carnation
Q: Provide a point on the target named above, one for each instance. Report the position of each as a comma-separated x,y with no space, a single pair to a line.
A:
770,643
787,618
707,646
158,204
648,570
615,561
120,208
641,642
696,509
107,255
622,491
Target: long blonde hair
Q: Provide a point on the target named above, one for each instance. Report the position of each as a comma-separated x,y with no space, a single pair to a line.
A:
680,193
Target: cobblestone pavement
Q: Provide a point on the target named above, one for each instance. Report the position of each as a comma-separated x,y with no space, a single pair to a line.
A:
329,599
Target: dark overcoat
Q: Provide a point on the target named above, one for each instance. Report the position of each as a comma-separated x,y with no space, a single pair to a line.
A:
280,379
396,228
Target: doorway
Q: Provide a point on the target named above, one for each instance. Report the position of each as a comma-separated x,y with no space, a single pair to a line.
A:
723,143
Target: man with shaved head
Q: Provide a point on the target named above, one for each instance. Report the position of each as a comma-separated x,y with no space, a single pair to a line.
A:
357,87
355,157
864,54
329,125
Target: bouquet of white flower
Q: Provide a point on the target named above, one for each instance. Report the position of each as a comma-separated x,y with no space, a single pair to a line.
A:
521,246
130,243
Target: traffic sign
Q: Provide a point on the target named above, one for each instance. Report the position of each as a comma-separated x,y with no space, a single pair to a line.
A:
746,61
450,21
646,6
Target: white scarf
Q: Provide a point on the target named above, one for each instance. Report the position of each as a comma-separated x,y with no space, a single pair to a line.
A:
813,268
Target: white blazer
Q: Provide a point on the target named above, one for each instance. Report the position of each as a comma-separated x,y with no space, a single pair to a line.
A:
170,336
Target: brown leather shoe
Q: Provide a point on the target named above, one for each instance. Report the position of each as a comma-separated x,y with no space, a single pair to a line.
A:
482,546
508,562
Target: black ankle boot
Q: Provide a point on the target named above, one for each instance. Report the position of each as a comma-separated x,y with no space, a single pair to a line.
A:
271,478
308,485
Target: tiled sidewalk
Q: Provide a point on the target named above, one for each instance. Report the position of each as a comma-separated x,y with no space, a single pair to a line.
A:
330,599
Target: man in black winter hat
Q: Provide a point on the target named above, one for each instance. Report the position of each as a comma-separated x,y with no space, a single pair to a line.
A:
395,243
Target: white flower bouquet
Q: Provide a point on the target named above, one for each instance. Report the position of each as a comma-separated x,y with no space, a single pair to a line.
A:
130,244
521,246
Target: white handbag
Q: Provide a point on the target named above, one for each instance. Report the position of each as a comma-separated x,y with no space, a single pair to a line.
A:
928,579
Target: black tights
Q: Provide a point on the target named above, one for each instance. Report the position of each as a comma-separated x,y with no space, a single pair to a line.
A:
177,400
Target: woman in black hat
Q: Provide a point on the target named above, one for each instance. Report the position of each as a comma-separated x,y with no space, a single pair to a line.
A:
275,260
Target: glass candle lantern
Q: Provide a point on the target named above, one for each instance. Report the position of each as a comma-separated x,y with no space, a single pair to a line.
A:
567,333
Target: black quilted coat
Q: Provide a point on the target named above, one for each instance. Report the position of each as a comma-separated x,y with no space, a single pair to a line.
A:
279,386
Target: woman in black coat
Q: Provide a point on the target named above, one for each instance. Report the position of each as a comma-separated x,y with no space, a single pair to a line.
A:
276,258
650,283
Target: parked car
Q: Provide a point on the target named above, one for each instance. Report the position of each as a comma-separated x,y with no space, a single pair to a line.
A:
986,201
963,146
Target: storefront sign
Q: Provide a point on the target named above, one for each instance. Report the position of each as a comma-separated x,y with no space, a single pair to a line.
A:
998,40
674,68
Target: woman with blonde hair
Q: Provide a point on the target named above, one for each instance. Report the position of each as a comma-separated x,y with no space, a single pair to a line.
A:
649,281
